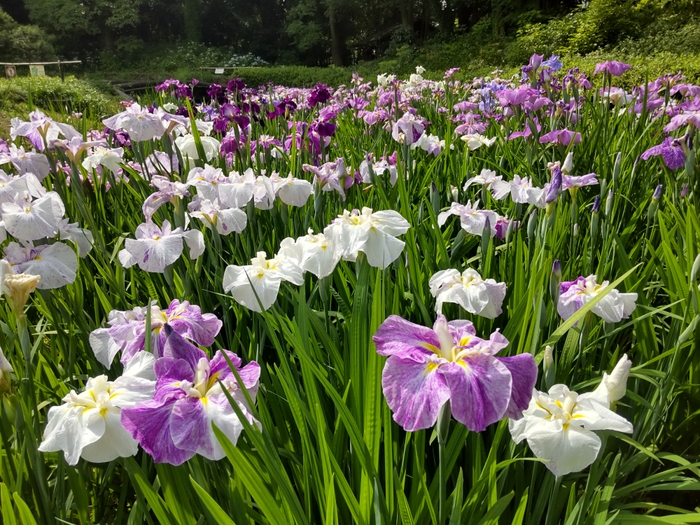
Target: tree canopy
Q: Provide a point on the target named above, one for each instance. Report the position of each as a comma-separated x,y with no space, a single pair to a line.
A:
320,32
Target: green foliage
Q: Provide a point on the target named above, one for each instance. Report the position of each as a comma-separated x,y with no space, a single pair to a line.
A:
21,43
51,94
293,76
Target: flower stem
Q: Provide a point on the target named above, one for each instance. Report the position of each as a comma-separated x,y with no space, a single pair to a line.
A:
443,428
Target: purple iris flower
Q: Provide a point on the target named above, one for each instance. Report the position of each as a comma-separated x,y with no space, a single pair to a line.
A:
502,226
612,67
118,137
570,181
553,63
183,112
168,85
690,118
230,143
319,95
216,92
527,131
127,331
220,125
450,72
554,187
517,96
190,395
408,128
427,367
228,111
235,84
561,136
325,129
530,70
465,106
670,151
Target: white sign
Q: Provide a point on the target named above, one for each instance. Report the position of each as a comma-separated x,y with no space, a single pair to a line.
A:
37,71
219,71
10,71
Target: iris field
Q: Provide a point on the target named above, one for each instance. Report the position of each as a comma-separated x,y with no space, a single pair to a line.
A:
453,301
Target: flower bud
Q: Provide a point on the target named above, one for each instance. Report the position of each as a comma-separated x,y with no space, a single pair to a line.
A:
485,239
454,193
17,288
616,382
548,356
654,206
435,198
549,368
684,191
554,186
609,203
555,281
596,204
575,232
5,369
616,168
568,165
531,226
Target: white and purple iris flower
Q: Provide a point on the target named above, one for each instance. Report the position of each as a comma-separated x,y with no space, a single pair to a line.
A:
329,176
612,308
88,425
370,232
138,122
572,183
521,191
156,248
559,425
190,395
26,161
41,130
478,296
31,219
471,218
168,191
408,129
55,263
378,168
127,330
256,285
429,367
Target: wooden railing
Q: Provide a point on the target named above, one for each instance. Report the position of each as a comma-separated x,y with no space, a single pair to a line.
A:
10,66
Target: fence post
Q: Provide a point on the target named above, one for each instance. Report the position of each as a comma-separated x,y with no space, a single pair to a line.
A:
60,71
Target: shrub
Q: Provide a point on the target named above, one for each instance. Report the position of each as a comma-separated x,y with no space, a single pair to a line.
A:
49,93
297,76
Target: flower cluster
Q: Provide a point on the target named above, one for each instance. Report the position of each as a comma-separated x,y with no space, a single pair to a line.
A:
256,285
166,401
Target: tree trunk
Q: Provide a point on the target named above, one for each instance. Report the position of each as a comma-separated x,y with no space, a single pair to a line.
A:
406,10
336,43
108,38
192,11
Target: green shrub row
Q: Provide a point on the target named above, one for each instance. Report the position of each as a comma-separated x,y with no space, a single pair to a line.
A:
56,96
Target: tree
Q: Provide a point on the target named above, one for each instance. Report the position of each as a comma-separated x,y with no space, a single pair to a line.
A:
75,21
22,42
